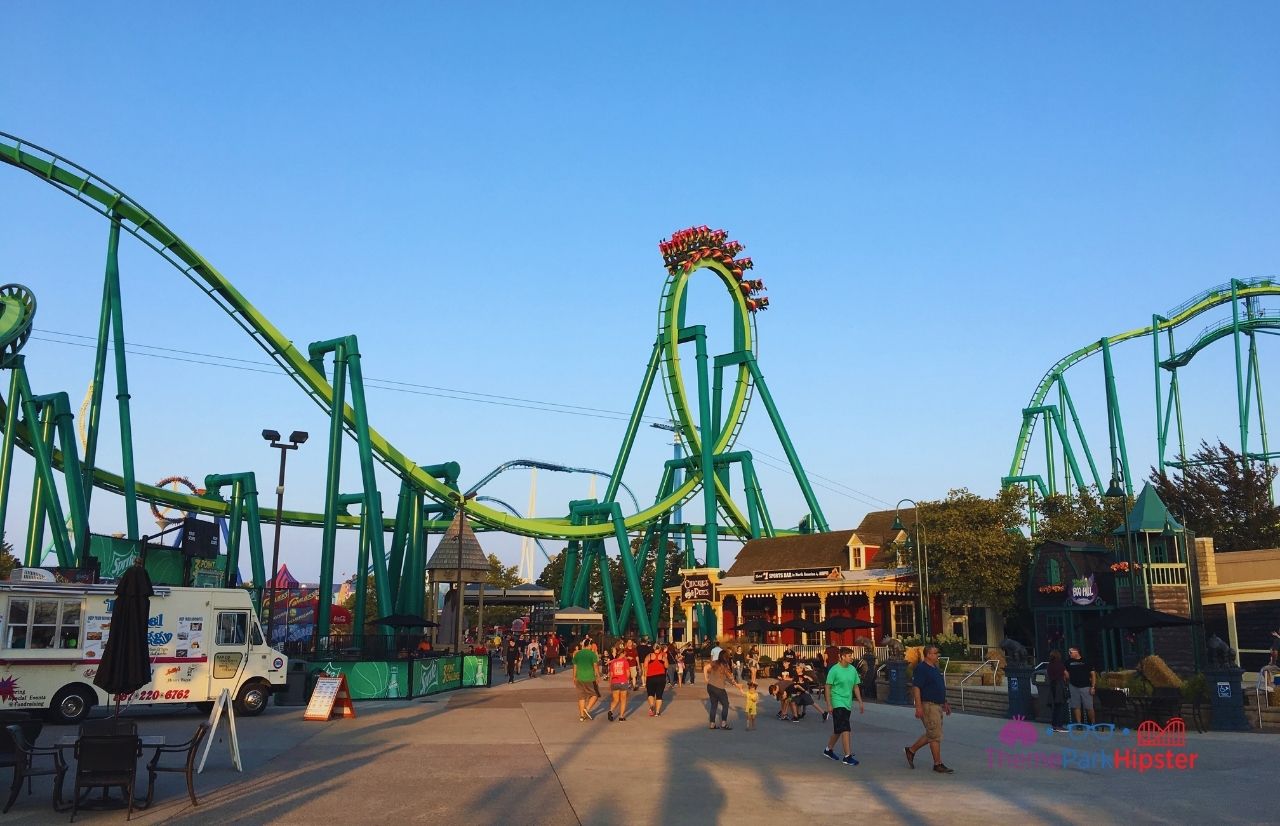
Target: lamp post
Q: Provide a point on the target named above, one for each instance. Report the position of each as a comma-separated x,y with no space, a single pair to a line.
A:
462,523
922,560
296,438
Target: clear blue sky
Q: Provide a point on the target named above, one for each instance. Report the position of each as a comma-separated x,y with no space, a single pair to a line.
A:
941,200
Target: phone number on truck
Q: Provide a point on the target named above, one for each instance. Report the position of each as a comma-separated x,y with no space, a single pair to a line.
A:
172,694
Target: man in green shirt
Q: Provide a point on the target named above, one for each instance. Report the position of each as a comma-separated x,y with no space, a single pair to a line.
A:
586,668
843,685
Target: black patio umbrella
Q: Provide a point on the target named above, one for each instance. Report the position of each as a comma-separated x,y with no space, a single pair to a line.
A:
406,621
800,625
844,624
1140,618
757,626
126,658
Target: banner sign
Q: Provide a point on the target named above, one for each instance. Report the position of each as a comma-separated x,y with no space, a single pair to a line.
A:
697,588
1084,591
475,670
372,680
789,574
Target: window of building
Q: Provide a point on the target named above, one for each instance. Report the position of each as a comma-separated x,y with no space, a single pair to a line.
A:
36,622
904,619
1054,571
857,558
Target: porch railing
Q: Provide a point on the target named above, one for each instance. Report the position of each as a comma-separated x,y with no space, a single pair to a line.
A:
1166,573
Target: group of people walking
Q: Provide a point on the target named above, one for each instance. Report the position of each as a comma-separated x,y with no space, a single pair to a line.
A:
629,665
541,654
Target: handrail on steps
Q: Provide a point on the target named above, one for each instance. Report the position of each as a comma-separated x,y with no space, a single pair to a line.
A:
995,670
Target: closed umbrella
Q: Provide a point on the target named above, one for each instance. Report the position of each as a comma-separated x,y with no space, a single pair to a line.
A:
126,658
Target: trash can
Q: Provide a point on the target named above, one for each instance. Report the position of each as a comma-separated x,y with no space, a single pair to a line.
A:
1227,699
295,685
897,672
1019,681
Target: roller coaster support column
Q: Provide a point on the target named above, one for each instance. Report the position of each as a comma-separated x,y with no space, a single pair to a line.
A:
243,508
706,465
111,323
1115,427
45,416
346,357
570,573
1242,411
13,364
819,520
633,424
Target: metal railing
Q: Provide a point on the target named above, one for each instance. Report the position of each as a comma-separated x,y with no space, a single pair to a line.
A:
995,672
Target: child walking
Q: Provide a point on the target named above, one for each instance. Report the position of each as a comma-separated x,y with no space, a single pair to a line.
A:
753,700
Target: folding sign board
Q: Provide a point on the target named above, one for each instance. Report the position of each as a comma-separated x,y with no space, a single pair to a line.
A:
330,696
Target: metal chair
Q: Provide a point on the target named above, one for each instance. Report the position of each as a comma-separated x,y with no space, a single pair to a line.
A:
187,768
1115,705
106,763
1166,703
21,737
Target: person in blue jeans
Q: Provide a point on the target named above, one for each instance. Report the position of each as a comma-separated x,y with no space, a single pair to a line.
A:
688,657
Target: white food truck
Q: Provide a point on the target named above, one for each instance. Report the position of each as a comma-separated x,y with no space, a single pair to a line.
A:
202,640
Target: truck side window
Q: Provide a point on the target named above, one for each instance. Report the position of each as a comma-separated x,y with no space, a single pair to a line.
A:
232,628
43,623
256,638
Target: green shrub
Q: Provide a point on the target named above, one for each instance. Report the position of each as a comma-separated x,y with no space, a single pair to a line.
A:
1195,688
952,645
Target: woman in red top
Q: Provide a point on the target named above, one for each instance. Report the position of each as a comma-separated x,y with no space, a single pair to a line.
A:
619,682
655,679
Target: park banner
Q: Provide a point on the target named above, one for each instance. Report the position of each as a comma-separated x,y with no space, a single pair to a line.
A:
435,674
384,680
697,588
789,574
475,670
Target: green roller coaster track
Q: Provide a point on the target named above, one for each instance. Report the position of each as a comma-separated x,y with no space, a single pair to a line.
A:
1248,320
707,428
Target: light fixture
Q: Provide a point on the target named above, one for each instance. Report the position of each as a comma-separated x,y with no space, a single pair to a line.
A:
271,435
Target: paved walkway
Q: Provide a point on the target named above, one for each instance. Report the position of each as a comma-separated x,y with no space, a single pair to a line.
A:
516,754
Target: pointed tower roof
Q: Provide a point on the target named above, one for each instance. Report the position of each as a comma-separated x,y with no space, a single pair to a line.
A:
1149,514
475,563
284,579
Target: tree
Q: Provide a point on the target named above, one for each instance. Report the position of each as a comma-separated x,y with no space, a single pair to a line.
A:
502,576
7,560
1225,495
977,552
552,576
1085,517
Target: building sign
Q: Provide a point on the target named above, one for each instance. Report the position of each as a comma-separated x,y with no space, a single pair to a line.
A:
697,588
1084,591
789,574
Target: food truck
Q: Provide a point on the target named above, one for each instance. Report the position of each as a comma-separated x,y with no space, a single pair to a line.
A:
202,640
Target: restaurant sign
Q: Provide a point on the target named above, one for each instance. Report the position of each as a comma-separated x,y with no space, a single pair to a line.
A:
697,588
1084,590
789,574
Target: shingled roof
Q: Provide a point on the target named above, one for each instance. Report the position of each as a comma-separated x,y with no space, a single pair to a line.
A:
445,557
805,550
877,527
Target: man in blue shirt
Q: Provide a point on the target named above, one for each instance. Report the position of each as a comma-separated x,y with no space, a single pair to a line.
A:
930,692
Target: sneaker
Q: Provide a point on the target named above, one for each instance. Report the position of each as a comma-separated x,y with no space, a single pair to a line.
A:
850,760
652,713
911,757
941,768
795,719
582,718
622,719
610,715
726,727
831,754
1059,729
825,715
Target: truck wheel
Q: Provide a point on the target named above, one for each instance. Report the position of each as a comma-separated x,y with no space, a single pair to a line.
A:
252,698
70,705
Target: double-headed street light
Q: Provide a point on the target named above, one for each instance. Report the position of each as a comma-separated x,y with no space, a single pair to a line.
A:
296,438
922,559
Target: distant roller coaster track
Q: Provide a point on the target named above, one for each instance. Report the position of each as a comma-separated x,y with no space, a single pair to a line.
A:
113,204
1247,319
